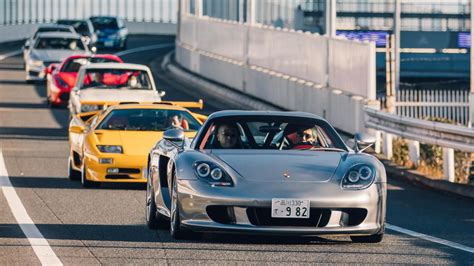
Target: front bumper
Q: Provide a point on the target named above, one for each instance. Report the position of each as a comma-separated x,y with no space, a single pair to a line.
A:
132,168
35,73
247,209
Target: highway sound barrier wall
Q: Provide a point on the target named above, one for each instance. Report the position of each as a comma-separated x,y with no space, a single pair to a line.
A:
333,78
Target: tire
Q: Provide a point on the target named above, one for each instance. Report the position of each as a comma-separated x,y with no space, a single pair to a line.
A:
176,229
74,175
86,183
377,238
154,220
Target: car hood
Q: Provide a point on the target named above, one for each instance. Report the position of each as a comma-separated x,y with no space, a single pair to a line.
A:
52,55
69,78
119,95
309,166
134,143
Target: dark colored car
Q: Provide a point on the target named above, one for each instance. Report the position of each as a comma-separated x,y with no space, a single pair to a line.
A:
111,32
83,27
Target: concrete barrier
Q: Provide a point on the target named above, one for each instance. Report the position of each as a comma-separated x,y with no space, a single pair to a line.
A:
10,33
344,110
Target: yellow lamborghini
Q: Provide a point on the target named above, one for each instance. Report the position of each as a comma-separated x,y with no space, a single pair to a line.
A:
112,145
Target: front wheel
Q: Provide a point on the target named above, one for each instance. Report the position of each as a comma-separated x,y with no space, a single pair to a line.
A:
176,229
153,219
74,175
84,181
377,238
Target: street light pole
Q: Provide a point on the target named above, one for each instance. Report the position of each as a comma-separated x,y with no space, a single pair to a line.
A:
471,95
330,18
396,32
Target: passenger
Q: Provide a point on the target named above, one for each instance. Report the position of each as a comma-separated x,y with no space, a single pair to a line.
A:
300,137
133,82
227,136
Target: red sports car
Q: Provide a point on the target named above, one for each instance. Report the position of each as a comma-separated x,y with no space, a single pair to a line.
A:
60,80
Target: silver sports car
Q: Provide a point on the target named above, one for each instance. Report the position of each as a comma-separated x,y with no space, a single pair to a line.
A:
279,173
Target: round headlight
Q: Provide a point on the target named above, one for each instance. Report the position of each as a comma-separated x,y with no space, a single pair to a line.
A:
365,172
353,176
203,169
216,174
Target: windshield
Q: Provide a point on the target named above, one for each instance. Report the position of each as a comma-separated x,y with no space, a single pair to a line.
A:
74,65
275,133
149,120
104,23
116,79
51,29
80,26
59,43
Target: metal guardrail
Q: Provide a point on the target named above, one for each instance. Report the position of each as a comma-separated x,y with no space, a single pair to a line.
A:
445,135
17,12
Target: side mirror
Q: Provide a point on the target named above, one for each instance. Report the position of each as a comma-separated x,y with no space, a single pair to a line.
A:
174,135
162,94
94,49
362,141
76,129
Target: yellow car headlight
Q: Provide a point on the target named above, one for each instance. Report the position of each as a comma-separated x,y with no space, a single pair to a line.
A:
110,148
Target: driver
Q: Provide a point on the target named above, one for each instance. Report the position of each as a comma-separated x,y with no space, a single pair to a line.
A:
227,136
97,81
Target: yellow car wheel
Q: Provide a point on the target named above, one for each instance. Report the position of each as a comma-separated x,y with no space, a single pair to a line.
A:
74,175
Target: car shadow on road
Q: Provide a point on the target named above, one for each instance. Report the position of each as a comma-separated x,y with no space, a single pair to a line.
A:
66,183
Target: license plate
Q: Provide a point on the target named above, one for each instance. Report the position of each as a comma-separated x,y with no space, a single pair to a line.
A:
109,43
290,208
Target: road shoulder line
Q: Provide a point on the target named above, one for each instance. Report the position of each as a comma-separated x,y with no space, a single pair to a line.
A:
40,245
430,238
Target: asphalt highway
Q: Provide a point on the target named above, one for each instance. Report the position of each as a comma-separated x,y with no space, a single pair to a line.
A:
107,225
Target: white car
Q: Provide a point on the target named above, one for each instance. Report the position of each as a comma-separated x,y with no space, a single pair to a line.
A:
51,48
112,83
42,29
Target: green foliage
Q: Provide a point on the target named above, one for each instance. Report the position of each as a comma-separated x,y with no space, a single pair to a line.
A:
400,152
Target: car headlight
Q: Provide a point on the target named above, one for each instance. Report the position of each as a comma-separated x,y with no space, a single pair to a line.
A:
110,148
212,173
359,176
35,63
90,107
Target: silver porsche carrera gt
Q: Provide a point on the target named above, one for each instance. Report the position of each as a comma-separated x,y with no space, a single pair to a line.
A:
279,173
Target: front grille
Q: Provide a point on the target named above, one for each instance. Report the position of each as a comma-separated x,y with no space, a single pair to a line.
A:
118,177
262,216
129,171
33,73
221,214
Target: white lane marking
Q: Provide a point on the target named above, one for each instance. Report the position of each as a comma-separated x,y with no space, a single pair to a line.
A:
430,238
7,55
40,245
145,48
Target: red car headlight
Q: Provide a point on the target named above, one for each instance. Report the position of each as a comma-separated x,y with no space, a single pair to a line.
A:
60,83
